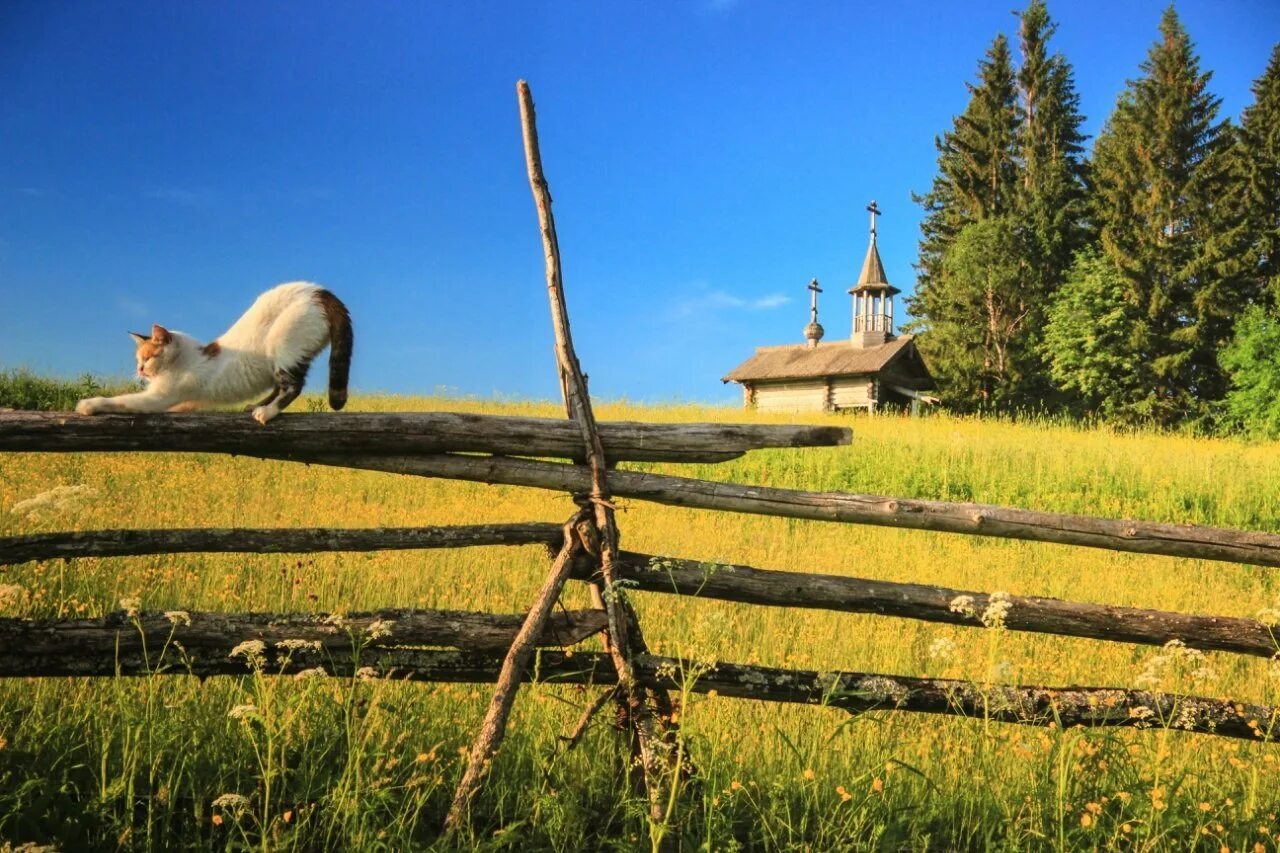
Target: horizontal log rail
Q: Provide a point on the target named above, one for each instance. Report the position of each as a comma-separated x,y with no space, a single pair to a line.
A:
94,646
715,580
399,433
1142,537
854,692
727,582
279,540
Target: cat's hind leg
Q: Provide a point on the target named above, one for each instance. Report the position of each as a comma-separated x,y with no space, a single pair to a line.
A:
289,381
266,401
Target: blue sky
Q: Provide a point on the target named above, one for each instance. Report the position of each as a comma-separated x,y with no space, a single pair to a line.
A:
167,161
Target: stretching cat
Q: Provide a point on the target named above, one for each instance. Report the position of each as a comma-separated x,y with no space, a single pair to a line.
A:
267,351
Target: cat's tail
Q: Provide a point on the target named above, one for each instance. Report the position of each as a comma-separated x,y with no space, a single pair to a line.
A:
341,340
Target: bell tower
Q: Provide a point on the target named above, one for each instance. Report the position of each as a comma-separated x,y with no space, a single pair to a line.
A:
872,297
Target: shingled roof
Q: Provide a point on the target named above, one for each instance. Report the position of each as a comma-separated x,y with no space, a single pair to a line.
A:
800,361
872,276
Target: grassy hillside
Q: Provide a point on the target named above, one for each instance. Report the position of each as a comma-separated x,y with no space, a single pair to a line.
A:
323,763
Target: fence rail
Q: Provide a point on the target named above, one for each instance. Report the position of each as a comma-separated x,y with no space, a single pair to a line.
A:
266,540
1141,537
399,433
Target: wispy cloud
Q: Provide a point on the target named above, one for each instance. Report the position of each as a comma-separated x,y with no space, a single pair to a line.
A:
716,301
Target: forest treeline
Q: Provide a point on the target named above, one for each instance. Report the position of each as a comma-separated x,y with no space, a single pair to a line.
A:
1135,283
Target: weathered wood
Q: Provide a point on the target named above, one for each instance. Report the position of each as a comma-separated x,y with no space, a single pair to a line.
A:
493,730
89,646
855,692
397,433
281,540
621,646
728,582
1142,537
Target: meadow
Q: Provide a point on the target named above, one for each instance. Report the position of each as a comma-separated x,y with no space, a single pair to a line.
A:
170,762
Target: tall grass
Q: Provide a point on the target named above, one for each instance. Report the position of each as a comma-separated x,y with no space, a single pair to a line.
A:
20,388
323,763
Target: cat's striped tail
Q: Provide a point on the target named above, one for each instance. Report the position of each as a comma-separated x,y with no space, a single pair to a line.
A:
341,340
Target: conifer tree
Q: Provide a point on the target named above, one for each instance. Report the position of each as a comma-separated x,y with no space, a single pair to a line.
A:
1013,159
977,179
1051,191
1258,175
1160,171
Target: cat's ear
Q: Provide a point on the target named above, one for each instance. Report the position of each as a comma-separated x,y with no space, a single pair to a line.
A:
138,339
159,334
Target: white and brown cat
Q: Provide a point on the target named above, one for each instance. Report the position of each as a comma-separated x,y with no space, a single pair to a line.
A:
267,351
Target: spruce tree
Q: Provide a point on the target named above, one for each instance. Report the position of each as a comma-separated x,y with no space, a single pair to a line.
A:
1258,164
977,179
1160,171
1051,190
1013,159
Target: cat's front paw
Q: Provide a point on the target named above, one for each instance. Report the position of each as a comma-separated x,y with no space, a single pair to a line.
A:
262,414
90,406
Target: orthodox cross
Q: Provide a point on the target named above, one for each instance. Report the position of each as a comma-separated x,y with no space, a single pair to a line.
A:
875,211
813,300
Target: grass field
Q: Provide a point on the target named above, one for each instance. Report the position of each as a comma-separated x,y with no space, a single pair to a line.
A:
169,762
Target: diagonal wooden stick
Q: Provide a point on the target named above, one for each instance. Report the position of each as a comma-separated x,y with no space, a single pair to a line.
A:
644,718
494,727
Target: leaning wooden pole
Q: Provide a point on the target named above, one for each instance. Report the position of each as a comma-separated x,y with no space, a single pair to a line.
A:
494,727
573,384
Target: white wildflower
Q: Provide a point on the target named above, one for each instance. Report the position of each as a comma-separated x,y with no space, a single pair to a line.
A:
337,620
1143,715
380,628
131,606
1269,616
314,672
963,604
997,609
55,500
299,645
1173,660
942,649
366,673
253,651
178,617
235,803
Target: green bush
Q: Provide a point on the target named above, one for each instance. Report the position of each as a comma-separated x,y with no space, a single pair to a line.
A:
22,389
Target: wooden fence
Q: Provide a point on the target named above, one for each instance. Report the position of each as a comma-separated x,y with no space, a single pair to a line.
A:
483,647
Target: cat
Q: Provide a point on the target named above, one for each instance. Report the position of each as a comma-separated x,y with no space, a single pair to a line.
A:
267,351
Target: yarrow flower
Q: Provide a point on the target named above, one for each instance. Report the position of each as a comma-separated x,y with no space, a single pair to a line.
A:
1174,659
380,628
299,645
178,617
998,607
314,672
234,803
963,604
942,648
57,499
366,673
253,651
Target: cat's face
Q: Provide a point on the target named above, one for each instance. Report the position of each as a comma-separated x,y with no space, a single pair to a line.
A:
155,352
